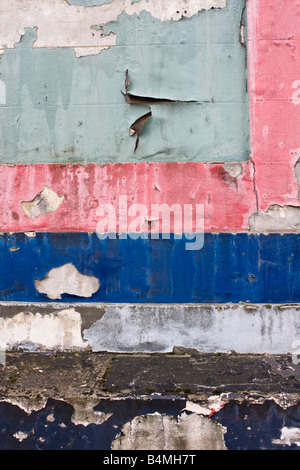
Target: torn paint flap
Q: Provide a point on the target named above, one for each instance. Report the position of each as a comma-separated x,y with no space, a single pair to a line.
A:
136,127
131,99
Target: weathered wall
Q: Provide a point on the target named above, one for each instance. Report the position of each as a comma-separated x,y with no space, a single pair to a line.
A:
127,104
63,91
62,102
174,404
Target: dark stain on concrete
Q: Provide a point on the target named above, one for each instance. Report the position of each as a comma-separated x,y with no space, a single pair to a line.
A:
129,385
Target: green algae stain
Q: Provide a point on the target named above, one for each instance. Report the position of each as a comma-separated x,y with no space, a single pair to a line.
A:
60,108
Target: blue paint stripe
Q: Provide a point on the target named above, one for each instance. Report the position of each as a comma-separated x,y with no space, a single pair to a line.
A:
229,268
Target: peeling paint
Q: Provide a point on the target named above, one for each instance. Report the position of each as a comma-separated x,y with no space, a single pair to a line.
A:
54,31
61,330
107,40
161,432
67,279
296,94
285,219
46,201
72,110
251,408
233,169
85,414
288,437
30,234
208,407
273,53
136,127
28,405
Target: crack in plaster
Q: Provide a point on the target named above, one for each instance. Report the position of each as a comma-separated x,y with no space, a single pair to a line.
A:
57,330
189,431
288,436
234,169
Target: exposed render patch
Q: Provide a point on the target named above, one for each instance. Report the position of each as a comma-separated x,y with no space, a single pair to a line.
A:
234,169
136,127
30,234
61,330
110,39
81,92
85,414
212,405
46,201
20,435
276,219
54,31
288,437
27,404
67,279
162,432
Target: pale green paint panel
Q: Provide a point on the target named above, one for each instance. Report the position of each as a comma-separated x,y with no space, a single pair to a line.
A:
60,108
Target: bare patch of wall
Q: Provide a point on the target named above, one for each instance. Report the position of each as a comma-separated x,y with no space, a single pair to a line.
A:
46,201
67,279
77,32
244,328
161,432
284,219
37,331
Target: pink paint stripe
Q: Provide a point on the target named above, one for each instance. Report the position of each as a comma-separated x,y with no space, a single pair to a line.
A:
228,201
273,19
274,85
